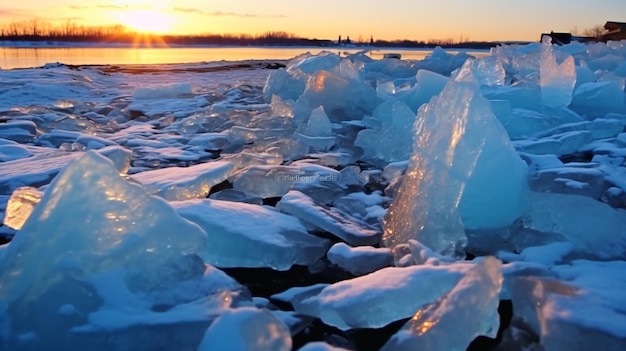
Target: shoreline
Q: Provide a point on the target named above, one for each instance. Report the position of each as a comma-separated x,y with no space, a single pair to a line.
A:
115,45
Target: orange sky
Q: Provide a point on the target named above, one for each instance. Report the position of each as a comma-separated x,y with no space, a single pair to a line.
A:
325,19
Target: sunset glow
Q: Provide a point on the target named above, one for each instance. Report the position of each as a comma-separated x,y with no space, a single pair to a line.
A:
480,20
148,21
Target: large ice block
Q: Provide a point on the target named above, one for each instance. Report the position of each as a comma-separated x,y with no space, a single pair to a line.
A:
21,204
581,313
275,181
247,329
557,81
464,172
184,183
468,310
343,98
247,235
592,226
382,297
284,85
428,84
317,132
95,240
598,98
392,142
342,225
360,260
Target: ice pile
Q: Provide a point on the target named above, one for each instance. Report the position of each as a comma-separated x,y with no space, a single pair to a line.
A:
317,205
464,172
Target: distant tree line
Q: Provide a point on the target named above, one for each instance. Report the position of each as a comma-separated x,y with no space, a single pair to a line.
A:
40,31
36,30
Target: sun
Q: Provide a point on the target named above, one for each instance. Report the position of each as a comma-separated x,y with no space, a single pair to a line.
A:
147,21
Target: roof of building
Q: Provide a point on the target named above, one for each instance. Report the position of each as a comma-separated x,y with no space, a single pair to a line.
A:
612,25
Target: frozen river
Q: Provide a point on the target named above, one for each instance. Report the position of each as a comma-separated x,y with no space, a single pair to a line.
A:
25,57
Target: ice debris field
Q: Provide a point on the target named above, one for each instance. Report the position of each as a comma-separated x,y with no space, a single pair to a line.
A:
336,203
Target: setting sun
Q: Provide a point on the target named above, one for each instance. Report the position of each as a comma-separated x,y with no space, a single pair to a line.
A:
147,21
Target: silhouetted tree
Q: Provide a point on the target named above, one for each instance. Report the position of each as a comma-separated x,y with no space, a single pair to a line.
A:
595,31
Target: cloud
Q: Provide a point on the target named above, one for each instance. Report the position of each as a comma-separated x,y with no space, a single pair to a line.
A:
125,7
19,15
13,12
222,14
109,7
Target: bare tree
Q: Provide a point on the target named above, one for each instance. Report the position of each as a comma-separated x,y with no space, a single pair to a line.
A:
595,31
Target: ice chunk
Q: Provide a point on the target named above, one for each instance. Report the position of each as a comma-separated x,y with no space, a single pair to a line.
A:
578,316
10,151
538,163
593,227
489,71
247,329
468,310
502,110
104,223
428,84
251,135
317,132
282,84
395,170
323,192
342,225
423,255
266,238
547,254
57,138
393,141
599,98
616,116
525,123
600,128
329,89
184,183
235,196
463,172
310,64
20,206
320,346
556,80
117,230
559,144
20,131
569,180
299,293
522,95
166,91
246,159
379,298
360,260
210,141
275,181
318,124
40,169
280,108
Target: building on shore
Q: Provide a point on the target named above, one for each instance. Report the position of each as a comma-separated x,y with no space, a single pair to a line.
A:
613,31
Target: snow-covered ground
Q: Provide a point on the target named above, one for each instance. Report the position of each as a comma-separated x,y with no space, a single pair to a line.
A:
245,206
